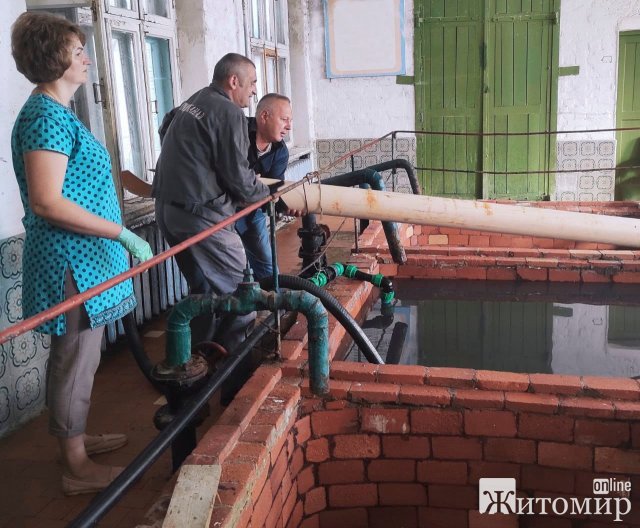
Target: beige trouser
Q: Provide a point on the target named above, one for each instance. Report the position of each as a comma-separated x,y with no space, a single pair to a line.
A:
73,361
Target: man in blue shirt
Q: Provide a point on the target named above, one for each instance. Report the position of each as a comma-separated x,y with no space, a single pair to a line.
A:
268,156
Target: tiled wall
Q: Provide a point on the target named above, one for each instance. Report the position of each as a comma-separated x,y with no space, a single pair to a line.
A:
588,186
329,150
23,359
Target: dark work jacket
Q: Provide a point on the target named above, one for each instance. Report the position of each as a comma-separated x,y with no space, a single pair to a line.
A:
274,163
203,160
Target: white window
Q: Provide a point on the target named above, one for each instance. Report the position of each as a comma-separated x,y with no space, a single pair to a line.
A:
268,31
134,83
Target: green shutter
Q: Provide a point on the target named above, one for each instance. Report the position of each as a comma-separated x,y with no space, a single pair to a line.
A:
486,66
628,115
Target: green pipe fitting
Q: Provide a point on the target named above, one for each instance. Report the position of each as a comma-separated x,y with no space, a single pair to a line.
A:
248,298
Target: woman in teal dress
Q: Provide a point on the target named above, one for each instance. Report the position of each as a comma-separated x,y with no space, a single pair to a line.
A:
74,236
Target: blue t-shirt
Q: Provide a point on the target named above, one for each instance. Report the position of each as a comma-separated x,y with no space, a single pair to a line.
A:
44,124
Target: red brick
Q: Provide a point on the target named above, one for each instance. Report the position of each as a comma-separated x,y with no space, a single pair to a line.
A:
489,423
564,275
375,392
432,396
436,421
405,447
482,469
529,274
303,430
392,470
542,262
353,371
385,421
456,448
472,273
555,384
325,423
297,462
339,389
274,516
592,276
627,410
616,388
483,399
548,479
442,518
565,456
510,450
498,520
506,381
402,494
503,273
356,446
352,517
341,472
595,432
610,460
441,472
402,374
448,496
306,480
317,450
396,516
262,506
352,495
315,501
626,277
592,407
543,427
219,441
523,401
450,377
296,516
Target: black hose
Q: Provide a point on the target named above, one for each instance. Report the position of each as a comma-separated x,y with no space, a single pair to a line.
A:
137,349
380,167
334,307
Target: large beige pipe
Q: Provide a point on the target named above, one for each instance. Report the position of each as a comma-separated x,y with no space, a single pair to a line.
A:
467,214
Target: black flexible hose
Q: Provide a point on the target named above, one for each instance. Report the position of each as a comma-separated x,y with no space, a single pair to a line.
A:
380,167
334,307
137,349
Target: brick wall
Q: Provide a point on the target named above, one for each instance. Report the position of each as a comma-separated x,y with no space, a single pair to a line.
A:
449,253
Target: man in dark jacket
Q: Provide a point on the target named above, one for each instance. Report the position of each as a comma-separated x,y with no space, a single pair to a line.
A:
202,177
268,156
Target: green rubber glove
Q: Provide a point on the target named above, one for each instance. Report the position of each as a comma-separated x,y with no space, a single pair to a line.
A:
135,245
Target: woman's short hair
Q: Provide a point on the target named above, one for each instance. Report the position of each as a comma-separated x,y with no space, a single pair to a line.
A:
40,45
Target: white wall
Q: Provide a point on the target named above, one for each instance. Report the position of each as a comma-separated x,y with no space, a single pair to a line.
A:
589,39
361,107
580,345
203,40
15,90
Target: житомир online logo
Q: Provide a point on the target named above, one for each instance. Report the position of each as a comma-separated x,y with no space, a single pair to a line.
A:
498,495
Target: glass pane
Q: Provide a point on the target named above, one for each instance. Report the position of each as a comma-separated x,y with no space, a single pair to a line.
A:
269,21
282,25
255,19
156,7
272,83
160,85
283,77
129,135
258,59
122,4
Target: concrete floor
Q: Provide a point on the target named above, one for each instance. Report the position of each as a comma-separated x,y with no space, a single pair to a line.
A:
124,402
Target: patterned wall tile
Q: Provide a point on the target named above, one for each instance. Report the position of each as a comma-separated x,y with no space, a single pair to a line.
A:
23,359
587,186
330,150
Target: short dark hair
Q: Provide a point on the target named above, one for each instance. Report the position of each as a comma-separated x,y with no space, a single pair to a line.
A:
40,45
267,100
230,64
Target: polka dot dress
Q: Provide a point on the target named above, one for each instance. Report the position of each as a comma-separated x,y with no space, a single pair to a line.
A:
44,124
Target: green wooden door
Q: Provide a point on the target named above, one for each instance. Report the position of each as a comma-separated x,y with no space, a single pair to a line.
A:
628,115
448,94
486,66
